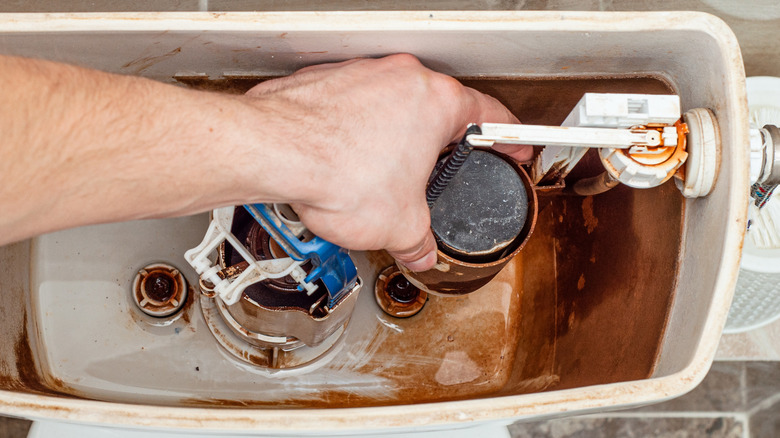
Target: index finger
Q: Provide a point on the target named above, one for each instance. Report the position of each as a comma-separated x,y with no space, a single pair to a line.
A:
482,108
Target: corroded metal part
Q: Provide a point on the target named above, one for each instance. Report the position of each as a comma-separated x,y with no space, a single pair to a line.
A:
274,313
159,290
289,355
483,210
396,296
312,326
455,276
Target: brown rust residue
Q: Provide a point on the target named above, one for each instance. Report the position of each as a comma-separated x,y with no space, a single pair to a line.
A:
379,259
548,101
320,399
618,315
591,221
463,277
232,85
27,378
186,311
145,62
159,287
25,363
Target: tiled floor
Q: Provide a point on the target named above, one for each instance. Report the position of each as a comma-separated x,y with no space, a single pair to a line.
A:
658,427
737,399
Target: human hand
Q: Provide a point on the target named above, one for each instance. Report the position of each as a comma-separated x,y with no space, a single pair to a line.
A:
368,134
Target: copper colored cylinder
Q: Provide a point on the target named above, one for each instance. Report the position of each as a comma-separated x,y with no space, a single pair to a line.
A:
458,275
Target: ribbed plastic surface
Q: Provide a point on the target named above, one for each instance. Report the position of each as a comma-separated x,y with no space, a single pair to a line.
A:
756,301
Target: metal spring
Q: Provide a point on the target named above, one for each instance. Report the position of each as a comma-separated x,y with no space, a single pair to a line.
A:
451,166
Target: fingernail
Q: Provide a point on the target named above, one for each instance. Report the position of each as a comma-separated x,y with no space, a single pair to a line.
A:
422,264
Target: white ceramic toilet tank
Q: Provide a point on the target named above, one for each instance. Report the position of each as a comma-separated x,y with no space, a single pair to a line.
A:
617,299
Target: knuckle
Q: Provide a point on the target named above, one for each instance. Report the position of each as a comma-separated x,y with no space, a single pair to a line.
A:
449,87
404,59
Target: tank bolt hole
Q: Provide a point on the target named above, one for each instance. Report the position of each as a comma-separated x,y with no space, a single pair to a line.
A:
159,290
396,295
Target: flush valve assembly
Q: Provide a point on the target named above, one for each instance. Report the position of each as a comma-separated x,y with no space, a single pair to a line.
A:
287,295
274,295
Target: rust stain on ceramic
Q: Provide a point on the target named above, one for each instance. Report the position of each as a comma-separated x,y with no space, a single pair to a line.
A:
378,259
544,101
232,85
145,62
186,311
27,378
591,221
622,307
320,399
441,354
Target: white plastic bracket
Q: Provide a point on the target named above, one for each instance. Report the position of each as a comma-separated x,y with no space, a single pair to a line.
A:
604,110
202,259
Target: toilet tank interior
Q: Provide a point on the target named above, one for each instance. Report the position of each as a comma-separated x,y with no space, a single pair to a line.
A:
625,286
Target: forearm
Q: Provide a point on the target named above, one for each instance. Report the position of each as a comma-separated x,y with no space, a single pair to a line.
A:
81,146
350,145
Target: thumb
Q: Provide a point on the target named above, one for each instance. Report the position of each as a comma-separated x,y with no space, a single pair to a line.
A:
420,257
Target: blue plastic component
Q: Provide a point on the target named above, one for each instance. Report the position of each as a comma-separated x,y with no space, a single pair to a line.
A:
332,264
